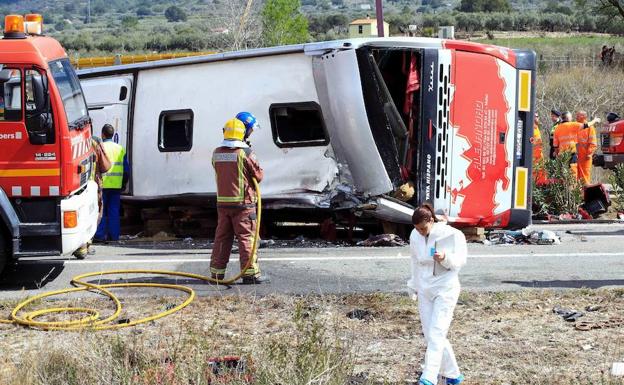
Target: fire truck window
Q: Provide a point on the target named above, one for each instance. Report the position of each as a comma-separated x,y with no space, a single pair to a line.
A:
30,93
298,125
175,131
11,98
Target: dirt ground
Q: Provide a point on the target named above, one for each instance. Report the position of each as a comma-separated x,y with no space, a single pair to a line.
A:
499,338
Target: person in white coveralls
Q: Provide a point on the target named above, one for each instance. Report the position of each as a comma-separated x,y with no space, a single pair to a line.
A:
438,252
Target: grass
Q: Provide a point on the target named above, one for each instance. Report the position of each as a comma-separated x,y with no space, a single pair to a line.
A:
499,338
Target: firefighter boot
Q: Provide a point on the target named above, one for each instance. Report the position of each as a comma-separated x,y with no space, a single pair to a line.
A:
217,277
254,280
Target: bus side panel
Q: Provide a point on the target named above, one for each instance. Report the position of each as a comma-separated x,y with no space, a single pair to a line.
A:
483,122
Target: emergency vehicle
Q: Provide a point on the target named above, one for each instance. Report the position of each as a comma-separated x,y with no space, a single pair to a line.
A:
347,125
48,202
612,145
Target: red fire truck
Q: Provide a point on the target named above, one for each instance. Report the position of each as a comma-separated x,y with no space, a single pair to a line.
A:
612,145
48,201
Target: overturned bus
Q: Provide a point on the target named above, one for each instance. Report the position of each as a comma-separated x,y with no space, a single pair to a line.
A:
367,126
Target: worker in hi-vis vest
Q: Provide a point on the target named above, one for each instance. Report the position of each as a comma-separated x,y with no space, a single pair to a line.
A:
113,182
235,167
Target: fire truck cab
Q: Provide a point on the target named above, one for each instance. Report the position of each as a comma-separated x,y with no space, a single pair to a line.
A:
612,145
48,200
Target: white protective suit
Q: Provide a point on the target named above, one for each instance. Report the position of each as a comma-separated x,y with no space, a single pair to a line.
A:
437,294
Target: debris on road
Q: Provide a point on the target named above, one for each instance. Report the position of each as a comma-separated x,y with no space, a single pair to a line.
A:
360,314
569,315
524,236
382,240
617,370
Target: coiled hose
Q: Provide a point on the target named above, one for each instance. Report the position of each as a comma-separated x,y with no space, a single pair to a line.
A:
92,320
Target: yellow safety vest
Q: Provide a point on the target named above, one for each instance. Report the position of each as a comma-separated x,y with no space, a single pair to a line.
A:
114,177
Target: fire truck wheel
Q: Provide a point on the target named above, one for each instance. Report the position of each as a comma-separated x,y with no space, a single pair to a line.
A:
4,253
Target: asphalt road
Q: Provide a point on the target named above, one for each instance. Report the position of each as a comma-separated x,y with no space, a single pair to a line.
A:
589,256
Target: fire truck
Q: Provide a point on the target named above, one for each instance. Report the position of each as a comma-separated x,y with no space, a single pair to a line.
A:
612,145
48,200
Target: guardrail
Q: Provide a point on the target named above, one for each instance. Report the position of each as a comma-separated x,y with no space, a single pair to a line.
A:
102,61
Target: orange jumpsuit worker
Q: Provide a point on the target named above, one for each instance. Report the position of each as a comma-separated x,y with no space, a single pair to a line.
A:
555,117
539,175
586,146
565,138
235,166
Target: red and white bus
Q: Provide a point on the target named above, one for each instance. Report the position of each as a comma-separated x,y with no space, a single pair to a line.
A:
349,126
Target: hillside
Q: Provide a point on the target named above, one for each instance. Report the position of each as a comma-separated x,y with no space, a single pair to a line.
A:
102,27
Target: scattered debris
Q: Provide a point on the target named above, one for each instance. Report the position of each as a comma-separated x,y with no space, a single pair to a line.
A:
360,314
524,236
266,243
596,199
569,315
591,308
229,368
617,370
474,234
589,325
383,240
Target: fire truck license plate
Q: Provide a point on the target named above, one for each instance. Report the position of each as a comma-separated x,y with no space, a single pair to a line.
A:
608,158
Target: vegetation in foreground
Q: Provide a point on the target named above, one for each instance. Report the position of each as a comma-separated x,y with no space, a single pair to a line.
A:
499,338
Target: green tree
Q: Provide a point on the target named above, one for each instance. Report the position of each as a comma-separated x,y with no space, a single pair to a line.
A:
174,13
128,22
283,23
143,11
485,6
611,7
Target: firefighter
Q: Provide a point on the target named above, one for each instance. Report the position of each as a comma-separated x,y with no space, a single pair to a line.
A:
538,157
585,147
565,138
113,182
555,117
235,165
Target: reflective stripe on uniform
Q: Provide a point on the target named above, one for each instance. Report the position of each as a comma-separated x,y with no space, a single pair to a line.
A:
225,157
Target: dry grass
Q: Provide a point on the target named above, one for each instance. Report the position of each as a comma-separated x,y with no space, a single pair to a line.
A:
499,338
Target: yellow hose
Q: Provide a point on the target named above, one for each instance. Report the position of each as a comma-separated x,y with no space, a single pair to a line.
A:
92,321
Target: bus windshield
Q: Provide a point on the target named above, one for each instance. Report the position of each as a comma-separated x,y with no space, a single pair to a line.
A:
71,93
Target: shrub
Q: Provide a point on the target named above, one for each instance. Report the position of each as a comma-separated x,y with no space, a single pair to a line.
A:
563,192
617,182
174,13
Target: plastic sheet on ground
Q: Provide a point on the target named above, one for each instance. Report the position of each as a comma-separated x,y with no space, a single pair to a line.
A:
524,236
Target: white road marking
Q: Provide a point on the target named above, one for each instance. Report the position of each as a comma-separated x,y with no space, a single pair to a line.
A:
331,258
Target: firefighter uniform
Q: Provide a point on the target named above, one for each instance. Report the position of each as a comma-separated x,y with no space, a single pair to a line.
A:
235,166
586,146
565,138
